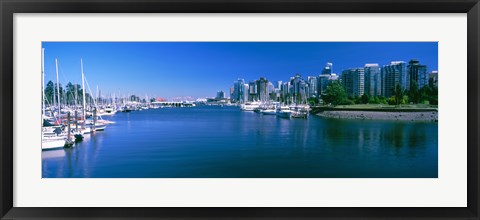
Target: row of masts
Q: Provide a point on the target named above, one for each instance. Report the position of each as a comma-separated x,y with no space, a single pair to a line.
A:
59,134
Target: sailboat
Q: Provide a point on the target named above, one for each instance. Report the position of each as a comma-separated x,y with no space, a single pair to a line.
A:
51,136
90,125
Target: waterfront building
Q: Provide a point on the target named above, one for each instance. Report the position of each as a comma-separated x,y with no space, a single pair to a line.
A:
433,77
279,84
220,94
262,89
285,96
328,69
347,81
354,81
299,89
392,75
312,86
245,93
322,82
276,95
373,79
417,73
271,91
238,91
334,77
252,91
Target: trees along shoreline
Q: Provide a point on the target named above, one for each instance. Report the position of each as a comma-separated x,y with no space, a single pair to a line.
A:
335,95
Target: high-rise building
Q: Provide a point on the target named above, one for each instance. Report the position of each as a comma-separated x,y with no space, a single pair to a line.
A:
245,93
433,76
238,91
333,77
403,74
220,95
354,81
252,91
285,93
271,91
262,89
417,73
299,89
279,84
322,82
373,79
312,86
392,75
276,95
328,69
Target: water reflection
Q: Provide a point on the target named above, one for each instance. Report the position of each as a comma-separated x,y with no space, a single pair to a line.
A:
225,142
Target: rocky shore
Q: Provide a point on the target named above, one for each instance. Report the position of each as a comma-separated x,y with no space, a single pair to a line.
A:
431,116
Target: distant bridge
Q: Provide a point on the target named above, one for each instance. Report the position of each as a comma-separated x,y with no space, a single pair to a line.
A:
174,104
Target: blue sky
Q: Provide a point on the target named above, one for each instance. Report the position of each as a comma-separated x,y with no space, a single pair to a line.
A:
200,69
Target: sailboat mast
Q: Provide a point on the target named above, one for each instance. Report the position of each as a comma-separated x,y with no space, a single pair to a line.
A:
58,91
43,84
97,97
83,90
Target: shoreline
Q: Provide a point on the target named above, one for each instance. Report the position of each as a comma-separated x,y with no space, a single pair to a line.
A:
425,116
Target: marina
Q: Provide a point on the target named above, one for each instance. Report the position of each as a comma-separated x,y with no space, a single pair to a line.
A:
215,141
375,120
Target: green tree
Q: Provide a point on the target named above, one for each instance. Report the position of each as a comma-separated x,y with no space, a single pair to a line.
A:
312,101
392,100
356,100
405,99
49,93
382,100
433,97
398,94
335,94
374,100
414,93
70,90
365,98
424,94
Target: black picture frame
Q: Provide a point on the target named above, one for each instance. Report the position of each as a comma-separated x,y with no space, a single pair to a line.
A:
10,7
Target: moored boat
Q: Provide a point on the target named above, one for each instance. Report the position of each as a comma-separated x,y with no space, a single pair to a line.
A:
51,144
299,114
249,106
284,112
300,111
269,112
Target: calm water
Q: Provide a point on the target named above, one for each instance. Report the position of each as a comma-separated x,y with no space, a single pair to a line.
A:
225,142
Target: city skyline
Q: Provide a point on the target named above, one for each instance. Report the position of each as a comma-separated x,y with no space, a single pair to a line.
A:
201,69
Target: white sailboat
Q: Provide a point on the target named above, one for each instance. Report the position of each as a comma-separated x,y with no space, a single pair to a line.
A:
90,125
50,139
85,129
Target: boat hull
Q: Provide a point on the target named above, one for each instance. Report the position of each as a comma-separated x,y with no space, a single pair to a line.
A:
269,112
53,144
284,114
